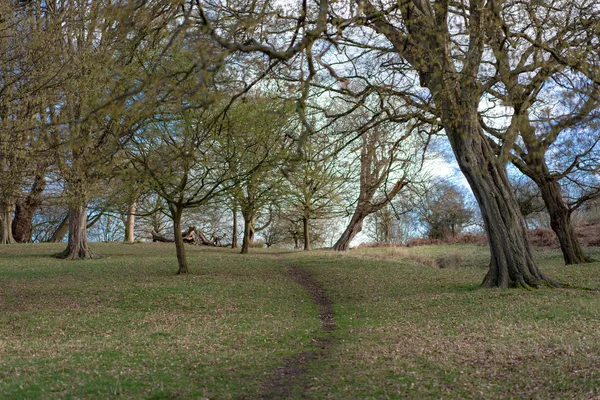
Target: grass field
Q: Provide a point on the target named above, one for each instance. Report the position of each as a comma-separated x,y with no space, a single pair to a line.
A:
126,326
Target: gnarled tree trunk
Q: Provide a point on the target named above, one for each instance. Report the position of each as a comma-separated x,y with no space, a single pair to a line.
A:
512,262
77,246
560,221
6,212
22,224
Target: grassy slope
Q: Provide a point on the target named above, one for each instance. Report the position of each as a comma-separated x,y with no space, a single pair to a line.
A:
426,332
125,325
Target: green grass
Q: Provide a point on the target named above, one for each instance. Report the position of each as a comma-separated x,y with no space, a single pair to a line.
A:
126,326
425,332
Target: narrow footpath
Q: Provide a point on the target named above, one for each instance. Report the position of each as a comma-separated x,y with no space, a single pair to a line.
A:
290,379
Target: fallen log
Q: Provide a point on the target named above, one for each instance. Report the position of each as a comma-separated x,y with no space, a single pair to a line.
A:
157,237
193,235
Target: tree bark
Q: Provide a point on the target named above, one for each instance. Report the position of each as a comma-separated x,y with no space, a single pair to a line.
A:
77,246
512,263
6,211
251,229
130,223
353,228
560,221
176,213
234,234
306,234
248,233
386,230
22,224
60,231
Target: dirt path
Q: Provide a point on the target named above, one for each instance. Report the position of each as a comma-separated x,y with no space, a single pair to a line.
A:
292,374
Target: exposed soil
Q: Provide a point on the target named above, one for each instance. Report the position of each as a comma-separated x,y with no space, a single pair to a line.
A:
286,380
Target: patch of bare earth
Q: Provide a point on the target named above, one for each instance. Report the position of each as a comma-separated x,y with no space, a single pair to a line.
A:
289,378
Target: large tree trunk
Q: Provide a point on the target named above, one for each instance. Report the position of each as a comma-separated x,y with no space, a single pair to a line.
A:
512,262
234,234
560,221
354,227
306,234
77,246
179,245
60,232
6,212
248,234
251,230
22,225
130,223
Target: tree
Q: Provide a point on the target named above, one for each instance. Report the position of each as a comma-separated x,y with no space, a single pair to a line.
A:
443,46
254,144
94,107
182,162
552,108
385,163
24,74
442,209
316,184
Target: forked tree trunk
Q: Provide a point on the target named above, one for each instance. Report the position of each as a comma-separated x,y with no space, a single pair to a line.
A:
77,246
512,262
176,213
130,223
353,228
60,232
306,234
6,212
234,233
22,224
560,221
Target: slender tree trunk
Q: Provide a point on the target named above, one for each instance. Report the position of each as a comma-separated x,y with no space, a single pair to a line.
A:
248,234
176,213
6,212
60,232
512,262
234,234
386,231
22,225
77,246
296,241
354,227
560,221
306,234
130,223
